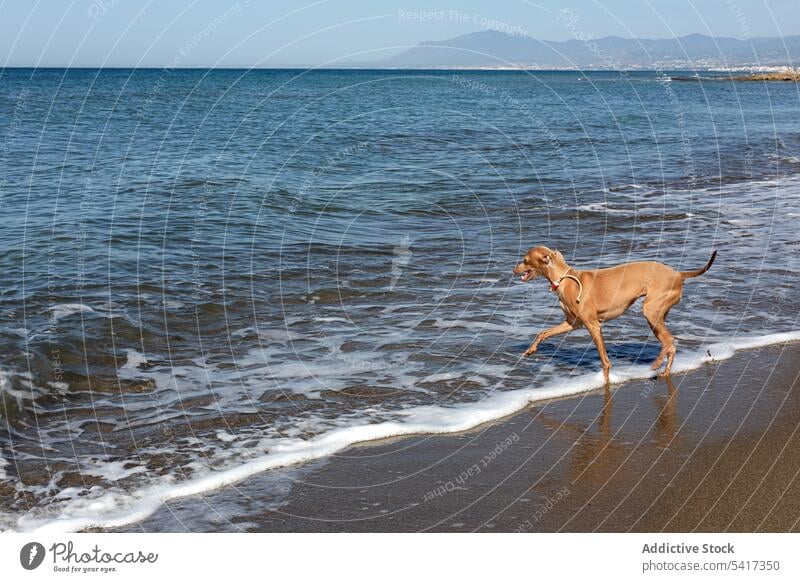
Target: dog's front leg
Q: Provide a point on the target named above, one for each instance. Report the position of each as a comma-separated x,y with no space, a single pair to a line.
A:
597,336
555,330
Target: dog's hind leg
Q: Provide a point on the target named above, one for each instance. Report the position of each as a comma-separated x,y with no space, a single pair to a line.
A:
655,309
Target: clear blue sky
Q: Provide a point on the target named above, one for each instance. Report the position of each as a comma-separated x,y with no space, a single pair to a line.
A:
278,33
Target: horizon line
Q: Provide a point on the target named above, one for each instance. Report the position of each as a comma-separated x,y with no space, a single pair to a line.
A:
500,68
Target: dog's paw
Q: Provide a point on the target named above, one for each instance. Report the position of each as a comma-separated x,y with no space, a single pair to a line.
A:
530,351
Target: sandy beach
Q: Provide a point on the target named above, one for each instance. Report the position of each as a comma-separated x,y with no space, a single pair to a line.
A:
714,450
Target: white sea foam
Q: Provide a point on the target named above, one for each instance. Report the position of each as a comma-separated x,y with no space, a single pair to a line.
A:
135,359
67,309
484,326
111,470
6,386
441,377
603,207
225,437
117,508
280,335
63,310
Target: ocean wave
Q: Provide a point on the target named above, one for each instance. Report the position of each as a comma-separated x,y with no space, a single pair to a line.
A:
485,326
602,207
116,508
134,361
624,187
31,391
66,309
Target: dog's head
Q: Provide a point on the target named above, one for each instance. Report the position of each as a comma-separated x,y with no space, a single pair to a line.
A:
537,262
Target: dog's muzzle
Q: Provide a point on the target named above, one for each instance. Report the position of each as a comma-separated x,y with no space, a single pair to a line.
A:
524,273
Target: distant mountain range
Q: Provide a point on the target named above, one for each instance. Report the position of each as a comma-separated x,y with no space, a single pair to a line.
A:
498,49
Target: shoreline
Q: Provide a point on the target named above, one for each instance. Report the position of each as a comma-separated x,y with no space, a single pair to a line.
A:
712,450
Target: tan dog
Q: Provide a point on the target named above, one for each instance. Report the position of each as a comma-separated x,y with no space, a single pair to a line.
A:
588,298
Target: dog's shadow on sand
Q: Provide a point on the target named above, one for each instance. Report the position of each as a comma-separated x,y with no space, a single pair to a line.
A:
643,353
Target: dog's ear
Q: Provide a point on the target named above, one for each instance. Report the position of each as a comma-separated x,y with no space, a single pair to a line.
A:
546,254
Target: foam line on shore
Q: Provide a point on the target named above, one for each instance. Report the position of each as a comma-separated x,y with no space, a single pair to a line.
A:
116,509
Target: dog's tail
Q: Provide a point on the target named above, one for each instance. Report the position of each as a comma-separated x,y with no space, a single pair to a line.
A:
689,274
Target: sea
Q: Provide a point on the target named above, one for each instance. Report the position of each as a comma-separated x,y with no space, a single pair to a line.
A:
213,274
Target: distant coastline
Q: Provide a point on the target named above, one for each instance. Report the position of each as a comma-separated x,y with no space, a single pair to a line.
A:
495,49
784,74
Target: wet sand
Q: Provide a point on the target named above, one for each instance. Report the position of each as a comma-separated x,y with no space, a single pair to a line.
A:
717,449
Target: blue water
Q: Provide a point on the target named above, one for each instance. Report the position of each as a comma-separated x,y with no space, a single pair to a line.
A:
202,268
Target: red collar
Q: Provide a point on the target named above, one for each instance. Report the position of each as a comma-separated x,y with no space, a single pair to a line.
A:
555,284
